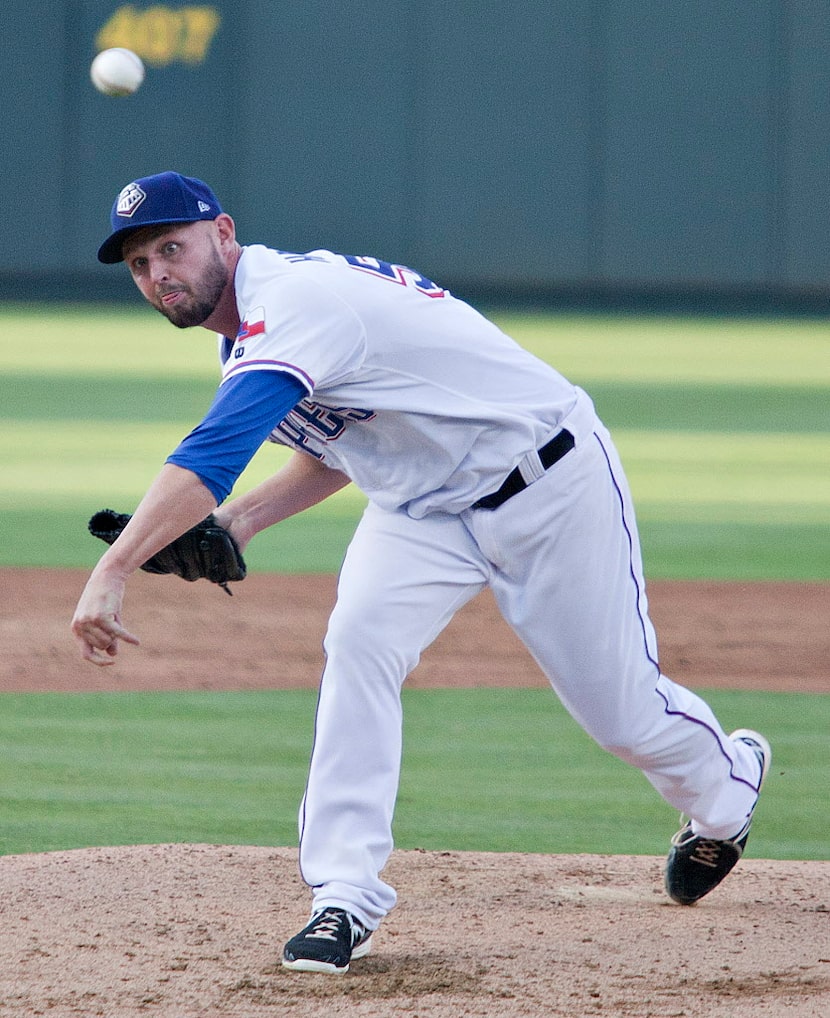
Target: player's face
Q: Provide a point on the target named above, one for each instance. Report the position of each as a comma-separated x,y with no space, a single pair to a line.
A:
179,269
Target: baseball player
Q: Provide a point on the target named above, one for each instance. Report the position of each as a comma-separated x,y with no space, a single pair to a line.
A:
483,467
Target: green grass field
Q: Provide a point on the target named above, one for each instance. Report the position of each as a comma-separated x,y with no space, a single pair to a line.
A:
723,427
493,770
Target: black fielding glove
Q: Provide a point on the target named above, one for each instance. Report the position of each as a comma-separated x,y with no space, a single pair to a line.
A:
206,551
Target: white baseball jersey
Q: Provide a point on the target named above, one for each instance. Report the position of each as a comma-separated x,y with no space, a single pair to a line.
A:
396,401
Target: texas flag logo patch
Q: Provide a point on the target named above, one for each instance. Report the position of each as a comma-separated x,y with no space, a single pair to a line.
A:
254,325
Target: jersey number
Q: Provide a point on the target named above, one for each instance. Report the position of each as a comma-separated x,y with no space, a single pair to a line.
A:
399,274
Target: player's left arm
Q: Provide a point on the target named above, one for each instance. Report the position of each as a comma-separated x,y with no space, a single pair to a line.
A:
301,483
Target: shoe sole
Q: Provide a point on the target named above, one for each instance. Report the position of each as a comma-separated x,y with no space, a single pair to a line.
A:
327,968
766,749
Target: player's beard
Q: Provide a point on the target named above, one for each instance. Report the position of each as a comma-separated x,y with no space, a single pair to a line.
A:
202,303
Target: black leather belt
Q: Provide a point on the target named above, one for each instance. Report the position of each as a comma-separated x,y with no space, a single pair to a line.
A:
549,454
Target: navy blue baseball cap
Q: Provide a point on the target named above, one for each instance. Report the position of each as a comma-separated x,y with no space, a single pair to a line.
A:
152,201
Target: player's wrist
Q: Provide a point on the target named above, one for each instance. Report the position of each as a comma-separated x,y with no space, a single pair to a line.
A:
231,518
113,568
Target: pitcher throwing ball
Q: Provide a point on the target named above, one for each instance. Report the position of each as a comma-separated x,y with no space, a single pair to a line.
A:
483,467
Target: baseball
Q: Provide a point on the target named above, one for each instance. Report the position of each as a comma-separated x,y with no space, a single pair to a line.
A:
117,72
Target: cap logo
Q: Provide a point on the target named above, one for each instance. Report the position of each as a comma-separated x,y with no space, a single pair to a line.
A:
129,200
204,207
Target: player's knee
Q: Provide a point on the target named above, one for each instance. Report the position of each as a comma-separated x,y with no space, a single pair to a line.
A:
359,645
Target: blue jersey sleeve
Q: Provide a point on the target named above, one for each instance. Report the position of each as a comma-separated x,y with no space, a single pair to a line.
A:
244,412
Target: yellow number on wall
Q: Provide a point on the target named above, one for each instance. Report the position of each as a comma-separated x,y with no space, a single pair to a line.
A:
161,35
200,24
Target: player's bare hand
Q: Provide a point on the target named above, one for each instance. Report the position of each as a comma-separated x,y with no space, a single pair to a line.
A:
96,625
98,639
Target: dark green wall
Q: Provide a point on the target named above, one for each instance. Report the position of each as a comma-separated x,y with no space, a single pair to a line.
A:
581,147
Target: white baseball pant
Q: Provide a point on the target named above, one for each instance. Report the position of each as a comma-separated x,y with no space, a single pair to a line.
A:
563,561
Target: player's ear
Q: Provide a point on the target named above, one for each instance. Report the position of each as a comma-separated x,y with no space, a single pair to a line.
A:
226,229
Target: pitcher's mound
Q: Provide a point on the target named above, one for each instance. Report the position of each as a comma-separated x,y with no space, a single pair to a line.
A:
182,931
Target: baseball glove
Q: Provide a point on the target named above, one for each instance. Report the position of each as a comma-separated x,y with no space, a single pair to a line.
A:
206,551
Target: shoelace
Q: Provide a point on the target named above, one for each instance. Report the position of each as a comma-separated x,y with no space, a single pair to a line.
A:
707,851
325,928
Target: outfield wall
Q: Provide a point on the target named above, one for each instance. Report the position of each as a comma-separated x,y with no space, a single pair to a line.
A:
564,147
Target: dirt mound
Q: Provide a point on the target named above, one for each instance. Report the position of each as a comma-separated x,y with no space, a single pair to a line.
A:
192,931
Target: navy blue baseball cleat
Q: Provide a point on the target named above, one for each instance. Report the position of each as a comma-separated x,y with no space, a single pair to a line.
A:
695,864
332,939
